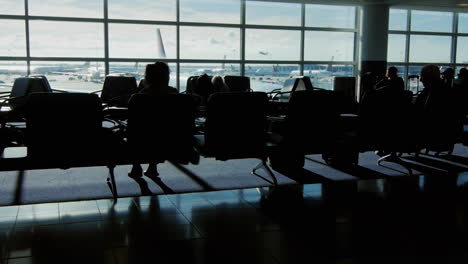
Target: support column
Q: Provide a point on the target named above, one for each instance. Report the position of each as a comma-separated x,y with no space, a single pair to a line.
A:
374,38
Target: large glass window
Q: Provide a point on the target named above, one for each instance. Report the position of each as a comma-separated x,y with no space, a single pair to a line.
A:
431,49
212,11
396,47
69,8
268,77
431,21
209,43
329,46
73,41
71,76
12,7
462,50
266,44
323,76
161,10
398,19
142,41
12,38
66,39
268,13
9,71
330,16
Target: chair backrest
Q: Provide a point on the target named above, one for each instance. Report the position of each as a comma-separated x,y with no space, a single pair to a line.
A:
312,121
291,85
27,85
237,83
40,87
236,125
63,127
118,89
161,127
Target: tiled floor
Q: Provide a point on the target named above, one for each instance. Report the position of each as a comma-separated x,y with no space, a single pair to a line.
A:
419,219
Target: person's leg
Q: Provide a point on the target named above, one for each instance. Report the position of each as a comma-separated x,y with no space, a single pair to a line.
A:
152,170
136,171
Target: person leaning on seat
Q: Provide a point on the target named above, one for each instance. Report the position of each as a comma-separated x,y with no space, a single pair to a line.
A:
156,82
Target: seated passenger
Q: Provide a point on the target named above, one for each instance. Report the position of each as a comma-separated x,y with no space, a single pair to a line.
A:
156,82
391,78
219,85
448,77
436,108
461,87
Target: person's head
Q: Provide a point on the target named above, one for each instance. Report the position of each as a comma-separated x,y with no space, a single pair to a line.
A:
448,74
463,74
392,72
430,75
157,73
218,83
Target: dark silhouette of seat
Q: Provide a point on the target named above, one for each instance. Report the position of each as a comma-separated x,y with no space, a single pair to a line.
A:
64,130
237,83
24,86
388,124
235,128
311,126
118,89
161,127
290,86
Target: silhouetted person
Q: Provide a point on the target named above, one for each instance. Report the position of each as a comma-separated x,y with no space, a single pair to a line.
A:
461,86
394,80
203,87
448,76
156,82
436,108
219,85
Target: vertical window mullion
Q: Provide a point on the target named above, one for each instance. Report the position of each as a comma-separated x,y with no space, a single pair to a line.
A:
242,38
303,14
28,46
178,44
407,50
454,40
106,37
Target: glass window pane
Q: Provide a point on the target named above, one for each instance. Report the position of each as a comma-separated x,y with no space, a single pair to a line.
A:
215,43
211,69
398,19
267,77
12,7
462,50
71,76
66,39
9,71
137,69
431,21
329,46
210,11
434,49
268,13
12,38
323,76
396,47
162,10
263,44
463,23
330,16
142,41
70,8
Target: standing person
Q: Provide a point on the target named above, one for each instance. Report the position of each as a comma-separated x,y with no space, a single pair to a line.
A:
156,82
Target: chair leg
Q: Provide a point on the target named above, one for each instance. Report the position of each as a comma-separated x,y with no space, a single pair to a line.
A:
264,165
393,157
111,182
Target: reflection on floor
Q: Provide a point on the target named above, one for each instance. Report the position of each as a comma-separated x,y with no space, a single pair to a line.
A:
421,219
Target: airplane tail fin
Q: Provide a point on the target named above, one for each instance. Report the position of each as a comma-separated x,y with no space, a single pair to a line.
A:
160,43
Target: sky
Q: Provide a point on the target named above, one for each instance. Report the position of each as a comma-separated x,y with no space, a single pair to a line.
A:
84,39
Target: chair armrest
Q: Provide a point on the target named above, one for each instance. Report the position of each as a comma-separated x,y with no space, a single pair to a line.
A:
95,92
60,91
